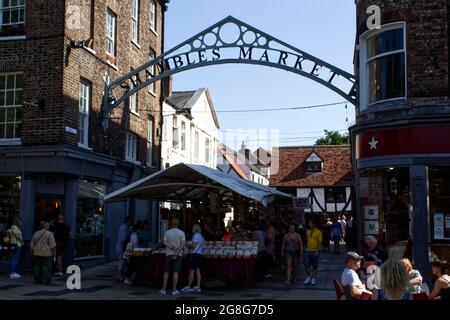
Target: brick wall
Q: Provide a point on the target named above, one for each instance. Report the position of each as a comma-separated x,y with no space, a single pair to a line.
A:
90,66
427,42
40,57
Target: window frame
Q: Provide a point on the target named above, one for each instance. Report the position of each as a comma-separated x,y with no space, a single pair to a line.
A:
335,192
150,129
10,9
131,138
16,139
153,16
183,136
207,150
135,21
175,133
87,107
364,63
108,38
151,70
196,145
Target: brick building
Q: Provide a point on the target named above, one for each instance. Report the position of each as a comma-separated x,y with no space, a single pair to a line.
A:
401,148
55,156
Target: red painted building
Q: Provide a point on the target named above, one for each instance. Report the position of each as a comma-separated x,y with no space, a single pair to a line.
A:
401,139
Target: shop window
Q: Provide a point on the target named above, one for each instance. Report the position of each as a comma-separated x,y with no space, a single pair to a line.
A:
10,188
335,195
439,189
90,219
383,64
385,202
47,209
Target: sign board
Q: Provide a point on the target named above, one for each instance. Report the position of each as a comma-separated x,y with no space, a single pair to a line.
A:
301,203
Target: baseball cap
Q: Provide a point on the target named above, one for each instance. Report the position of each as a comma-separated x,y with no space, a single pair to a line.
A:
352,256
370,257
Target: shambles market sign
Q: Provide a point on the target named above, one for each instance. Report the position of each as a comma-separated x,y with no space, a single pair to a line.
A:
230,41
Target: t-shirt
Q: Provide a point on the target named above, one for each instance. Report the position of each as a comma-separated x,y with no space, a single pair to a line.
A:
134,239
336,229
350,278
62,231
175,237
270,240
313,239
197,238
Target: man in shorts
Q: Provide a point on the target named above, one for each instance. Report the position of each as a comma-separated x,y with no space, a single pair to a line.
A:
174,240
313,247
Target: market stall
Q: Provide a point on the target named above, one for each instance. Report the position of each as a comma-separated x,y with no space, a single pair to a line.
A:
205,193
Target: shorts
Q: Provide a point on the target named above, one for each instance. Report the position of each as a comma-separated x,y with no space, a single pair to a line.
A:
172,265
291,255
310,259
336,238
195,261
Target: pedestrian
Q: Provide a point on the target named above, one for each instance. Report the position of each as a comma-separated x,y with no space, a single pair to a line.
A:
394,282
144,236
368,260
415,279
313,247
133,243
16,242
43,248
344,227
336,234
373,247
354,288
270,247
441,288
291,249
195,260
326,235
258,235
174,240
121,244
62,233
350,232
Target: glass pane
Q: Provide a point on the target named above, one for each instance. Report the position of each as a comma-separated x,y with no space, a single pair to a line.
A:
21,15
13,3
19,81
9,98
19,98
2,130
384,42
387,78
9,131
10,82
17,126
2,82
2,114
10,114
14,16
18,114
2,98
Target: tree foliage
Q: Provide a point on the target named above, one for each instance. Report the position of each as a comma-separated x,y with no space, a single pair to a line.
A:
332,138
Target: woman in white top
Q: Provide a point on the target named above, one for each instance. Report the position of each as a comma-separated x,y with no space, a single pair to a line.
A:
195,260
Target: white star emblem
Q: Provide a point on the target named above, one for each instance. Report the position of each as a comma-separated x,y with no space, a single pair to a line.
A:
373,144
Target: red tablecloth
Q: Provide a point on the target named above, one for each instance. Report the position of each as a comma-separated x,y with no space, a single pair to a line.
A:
231,271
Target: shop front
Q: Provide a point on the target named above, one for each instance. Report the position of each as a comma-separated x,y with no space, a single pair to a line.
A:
403,190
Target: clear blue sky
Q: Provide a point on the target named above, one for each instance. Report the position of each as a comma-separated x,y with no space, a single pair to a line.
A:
323,28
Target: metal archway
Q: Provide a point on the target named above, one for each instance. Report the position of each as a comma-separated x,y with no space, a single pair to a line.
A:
218,44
